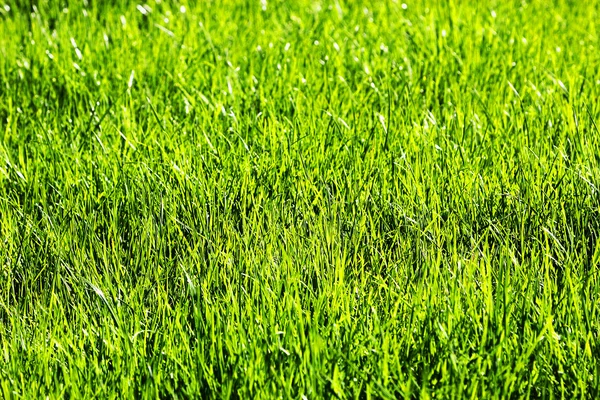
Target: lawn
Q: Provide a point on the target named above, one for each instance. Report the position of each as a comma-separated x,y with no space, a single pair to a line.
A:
299,199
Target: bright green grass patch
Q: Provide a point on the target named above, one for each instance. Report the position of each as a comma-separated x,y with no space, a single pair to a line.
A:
299,198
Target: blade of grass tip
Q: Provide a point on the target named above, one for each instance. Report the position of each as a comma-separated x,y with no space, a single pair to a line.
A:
385,130
100,294
130,81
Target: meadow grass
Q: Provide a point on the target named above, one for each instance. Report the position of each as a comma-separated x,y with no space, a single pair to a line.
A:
299,199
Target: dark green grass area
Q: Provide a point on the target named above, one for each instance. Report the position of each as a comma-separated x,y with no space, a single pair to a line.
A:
299,199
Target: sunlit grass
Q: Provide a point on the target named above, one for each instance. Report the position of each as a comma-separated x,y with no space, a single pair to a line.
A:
346,199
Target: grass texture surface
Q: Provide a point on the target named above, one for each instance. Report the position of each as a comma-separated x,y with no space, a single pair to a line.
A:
299,199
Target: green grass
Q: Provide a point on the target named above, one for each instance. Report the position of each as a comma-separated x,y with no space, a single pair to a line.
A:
353,199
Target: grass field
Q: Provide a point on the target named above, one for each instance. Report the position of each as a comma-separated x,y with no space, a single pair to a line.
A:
299,199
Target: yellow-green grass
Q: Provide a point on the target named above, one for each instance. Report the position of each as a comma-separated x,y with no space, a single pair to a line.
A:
299,199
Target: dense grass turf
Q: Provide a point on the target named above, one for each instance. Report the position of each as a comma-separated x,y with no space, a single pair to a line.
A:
299,198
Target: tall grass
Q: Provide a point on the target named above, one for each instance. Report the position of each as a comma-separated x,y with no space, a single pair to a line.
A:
299,199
